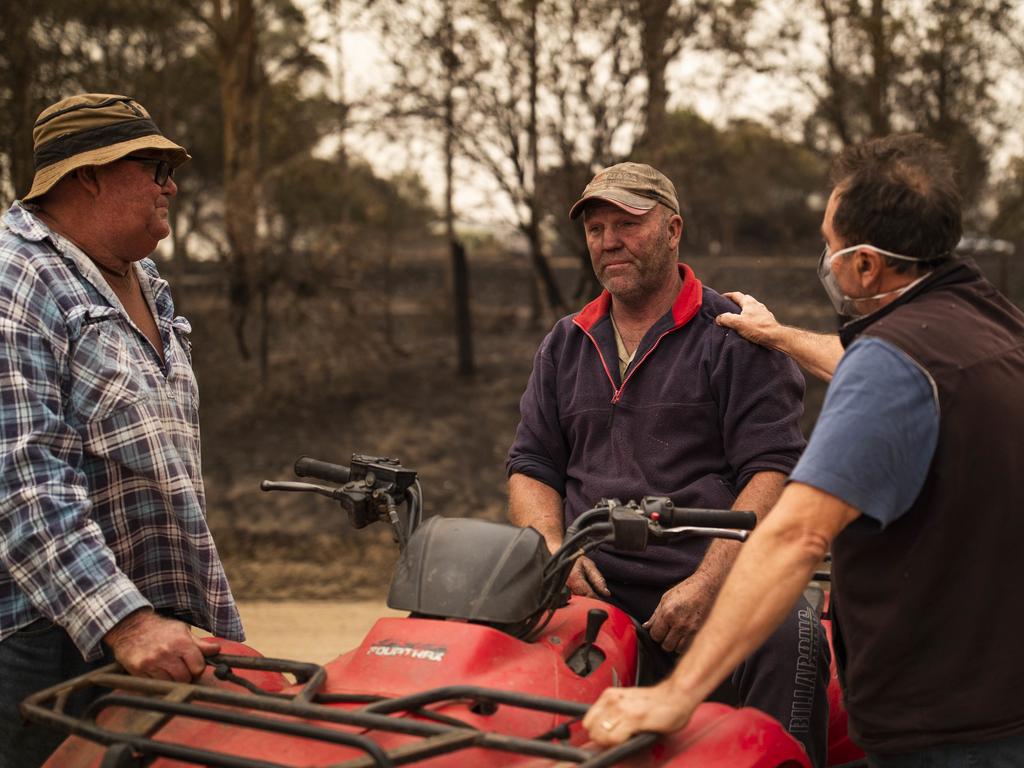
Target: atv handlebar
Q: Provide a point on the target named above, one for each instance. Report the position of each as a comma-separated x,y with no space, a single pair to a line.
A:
631,522
661,510
373,488
306,466
628,528
707,518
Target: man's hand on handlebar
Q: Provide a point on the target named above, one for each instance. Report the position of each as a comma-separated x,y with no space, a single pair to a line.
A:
586,580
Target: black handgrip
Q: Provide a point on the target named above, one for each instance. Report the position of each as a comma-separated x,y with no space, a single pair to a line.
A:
706,518
322,470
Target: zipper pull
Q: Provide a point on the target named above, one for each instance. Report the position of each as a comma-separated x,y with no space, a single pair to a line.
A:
611,412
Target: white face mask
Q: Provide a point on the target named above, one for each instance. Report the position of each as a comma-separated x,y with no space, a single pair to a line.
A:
847,305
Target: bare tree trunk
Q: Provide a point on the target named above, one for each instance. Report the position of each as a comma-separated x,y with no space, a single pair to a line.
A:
587,284
541,267
265,321
236,65
835,105
460,269
177,267
878,83
22,60
463,320
654,29
389,315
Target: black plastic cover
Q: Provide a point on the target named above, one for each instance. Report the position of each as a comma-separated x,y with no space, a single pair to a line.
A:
477,570
629,529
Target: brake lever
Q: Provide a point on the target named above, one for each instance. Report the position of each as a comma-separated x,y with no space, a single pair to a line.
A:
323,490
688,530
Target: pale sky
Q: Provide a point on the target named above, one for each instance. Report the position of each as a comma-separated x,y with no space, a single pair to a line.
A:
694,82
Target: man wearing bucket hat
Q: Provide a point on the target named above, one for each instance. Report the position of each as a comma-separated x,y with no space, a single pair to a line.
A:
642,393
104,548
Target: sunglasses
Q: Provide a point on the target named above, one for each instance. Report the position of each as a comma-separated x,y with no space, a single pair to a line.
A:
162,172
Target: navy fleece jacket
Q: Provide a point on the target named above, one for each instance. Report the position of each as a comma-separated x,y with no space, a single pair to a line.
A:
698,412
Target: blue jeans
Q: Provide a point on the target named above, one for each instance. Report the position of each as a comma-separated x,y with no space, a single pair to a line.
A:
33,658
1004,753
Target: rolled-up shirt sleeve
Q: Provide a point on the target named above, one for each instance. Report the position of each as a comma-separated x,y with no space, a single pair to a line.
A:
539,450
760,399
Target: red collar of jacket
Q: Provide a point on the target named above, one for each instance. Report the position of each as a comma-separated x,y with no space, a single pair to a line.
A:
684,307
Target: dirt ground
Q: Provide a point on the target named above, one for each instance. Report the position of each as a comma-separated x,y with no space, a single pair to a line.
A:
309,630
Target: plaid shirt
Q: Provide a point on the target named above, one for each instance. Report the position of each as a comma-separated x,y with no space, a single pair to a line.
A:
101,497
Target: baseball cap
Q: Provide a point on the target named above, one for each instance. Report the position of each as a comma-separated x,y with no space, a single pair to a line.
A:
634,187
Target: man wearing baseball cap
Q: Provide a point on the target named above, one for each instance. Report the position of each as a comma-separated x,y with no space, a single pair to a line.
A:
104,548
642,393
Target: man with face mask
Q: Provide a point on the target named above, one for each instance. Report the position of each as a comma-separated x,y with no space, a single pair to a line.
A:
912,476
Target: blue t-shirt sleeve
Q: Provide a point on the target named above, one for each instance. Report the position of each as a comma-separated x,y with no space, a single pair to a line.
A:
875,437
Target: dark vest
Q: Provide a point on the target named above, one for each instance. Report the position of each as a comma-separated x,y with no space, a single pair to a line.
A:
931,624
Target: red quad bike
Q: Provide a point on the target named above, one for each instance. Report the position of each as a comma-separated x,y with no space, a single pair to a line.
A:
495,664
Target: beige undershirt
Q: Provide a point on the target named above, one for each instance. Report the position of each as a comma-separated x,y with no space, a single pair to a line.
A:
624,357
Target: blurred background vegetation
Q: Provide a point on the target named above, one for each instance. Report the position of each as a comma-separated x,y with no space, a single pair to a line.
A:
341,304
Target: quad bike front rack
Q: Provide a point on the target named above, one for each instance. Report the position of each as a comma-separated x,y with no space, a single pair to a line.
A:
154,702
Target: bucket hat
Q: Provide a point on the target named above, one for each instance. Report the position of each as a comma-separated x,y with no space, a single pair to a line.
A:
634,187
93,129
